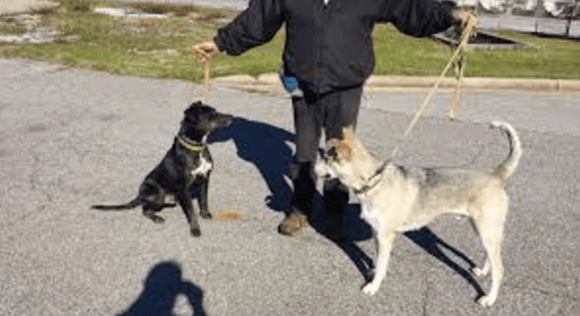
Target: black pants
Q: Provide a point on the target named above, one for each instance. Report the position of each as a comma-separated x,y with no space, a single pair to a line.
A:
331,112
313,113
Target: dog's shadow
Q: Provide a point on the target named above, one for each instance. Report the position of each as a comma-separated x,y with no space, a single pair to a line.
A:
427,240
265,146
161,288
359,230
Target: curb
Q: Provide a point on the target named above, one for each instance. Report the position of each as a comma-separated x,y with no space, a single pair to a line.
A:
271,82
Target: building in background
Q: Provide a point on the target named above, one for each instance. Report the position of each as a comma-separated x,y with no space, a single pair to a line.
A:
541,8
550,17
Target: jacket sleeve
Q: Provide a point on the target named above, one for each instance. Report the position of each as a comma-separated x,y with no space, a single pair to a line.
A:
255,26
418,18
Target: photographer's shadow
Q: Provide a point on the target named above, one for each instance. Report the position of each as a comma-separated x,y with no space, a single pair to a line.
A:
161,288
265,147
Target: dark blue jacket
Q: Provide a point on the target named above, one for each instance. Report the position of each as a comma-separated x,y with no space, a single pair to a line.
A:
330,46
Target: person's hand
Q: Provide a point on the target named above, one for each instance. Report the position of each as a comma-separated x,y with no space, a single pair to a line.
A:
463,17
204,51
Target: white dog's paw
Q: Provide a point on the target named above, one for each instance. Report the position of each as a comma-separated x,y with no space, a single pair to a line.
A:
486,301
371,288
478,272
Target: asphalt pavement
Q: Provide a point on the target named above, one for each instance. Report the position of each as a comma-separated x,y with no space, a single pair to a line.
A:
70,138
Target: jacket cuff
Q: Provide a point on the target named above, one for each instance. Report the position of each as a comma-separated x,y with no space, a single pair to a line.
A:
218,43
449,8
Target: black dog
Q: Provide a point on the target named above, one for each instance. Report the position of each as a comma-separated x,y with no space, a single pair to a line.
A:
186,165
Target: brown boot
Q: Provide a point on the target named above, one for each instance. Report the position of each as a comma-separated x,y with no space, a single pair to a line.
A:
304,189
292,225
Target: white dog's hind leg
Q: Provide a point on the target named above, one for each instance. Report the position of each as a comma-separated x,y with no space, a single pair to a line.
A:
491,235
384,247
493,210
482,272
496,276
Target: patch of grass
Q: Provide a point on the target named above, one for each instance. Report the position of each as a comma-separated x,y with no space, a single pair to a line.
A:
162,49
77,5
46,11
181,10
113,45
548,58
398,54
6,29
211,16
164,8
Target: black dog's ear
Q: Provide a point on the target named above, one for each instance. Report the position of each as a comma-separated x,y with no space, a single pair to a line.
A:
191,107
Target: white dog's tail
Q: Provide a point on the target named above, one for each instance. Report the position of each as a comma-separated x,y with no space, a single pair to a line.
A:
508,167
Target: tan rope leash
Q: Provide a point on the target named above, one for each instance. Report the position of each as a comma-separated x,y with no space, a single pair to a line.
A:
204,56
454,106
206,81
207,76
464,40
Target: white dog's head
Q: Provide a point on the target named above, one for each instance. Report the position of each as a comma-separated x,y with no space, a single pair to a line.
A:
348,160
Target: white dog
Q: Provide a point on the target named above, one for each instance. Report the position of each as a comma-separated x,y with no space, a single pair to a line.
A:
397,199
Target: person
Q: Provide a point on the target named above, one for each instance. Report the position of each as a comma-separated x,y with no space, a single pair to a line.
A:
328,55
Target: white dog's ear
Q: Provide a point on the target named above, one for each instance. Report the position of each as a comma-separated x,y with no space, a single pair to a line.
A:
348,131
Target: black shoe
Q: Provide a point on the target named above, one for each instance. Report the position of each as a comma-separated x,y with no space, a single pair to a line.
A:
335,201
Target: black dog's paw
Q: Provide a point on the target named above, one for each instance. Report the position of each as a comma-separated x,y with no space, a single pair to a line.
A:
195,232
206,215
155,218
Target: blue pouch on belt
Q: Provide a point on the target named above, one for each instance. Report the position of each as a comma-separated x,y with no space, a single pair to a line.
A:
290,84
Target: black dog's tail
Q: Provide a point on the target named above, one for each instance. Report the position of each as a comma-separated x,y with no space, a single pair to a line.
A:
134,203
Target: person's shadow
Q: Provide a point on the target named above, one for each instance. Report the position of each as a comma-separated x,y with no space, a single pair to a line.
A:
265,147
161,288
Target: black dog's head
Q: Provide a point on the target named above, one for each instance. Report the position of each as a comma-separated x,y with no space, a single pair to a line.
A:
200,120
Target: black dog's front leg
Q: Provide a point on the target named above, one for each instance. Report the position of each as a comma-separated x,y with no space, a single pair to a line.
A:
203,208
184,199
